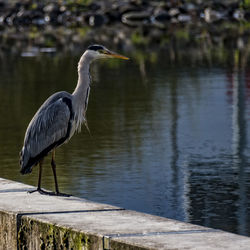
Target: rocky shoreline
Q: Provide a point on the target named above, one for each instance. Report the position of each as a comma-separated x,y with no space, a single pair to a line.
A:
130,12
69,25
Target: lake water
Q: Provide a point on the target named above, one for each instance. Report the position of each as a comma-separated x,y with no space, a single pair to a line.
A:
170,139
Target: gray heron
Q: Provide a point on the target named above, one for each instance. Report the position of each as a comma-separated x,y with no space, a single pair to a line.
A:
59,117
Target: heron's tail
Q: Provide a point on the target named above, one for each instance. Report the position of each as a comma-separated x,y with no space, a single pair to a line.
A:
26,168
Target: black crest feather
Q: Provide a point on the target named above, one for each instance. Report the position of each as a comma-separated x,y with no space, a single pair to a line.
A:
95,47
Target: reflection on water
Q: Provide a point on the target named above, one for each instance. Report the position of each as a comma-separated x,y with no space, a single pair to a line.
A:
170,140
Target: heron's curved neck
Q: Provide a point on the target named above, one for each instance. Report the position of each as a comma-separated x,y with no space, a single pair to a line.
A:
83,78
80,96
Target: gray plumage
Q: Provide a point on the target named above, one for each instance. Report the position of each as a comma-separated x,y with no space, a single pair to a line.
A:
48,126
59,117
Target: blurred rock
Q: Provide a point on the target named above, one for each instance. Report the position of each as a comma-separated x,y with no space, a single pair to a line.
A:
68,24
162,16
97,20
136,18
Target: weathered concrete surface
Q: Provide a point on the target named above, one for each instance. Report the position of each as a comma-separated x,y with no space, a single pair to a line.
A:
8,230
34,221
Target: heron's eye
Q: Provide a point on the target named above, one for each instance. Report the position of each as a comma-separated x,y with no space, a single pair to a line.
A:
103,51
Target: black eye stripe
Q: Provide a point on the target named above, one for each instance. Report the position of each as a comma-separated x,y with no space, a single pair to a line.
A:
95,47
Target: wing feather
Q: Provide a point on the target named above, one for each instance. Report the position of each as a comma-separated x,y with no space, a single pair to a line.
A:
48,128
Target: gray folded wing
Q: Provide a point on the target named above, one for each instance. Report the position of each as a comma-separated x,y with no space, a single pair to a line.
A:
48,129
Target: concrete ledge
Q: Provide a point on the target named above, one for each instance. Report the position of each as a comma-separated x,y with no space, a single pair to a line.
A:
34,221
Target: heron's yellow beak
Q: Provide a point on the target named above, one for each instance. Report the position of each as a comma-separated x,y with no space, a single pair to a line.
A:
115,55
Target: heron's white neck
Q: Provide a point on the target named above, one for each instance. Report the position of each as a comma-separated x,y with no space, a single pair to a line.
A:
80,95
83,78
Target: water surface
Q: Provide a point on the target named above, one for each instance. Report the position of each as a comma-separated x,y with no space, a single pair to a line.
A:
167,139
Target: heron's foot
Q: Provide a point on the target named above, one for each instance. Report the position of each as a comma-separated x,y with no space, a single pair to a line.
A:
62,194
41,191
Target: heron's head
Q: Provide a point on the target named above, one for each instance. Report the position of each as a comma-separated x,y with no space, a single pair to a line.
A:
99,51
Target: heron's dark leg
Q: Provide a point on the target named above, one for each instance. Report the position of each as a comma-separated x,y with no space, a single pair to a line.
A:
40,181
39,189
53,165
40,175
39,178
